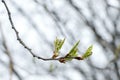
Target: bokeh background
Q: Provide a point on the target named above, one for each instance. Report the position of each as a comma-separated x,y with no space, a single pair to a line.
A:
39,22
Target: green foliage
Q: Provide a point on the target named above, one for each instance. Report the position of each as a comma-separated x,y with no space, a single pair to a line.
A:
88,52
58,43
73,52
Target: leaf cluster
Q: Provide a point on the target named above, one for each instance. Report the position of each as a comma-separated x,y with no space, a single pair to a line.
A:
72,54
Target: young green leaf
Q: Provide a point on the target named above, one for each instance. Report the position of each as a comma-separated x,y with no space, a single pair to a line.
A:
88,52
74,47
61,43
58,43
72,53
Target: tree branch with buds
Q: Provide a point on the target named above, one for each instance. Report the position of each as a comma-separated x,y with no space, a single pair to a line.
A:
58,43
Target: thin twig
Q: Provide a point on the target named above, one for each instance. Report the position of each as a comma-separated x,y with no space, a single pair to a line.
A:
17,33
13,27
22,43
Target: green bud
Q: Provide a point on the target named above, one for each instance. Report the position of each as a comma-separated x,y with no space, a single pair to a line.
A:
88,52
58,43
72,53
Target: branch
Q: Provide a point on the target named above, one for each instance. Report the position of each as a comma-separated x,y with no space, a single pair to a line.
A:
18,37
31,22
61,59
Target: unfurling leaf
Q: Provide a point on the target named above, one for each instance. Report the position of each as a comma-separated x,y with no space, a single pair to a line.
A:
58,43
88,52
74,47
72,53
